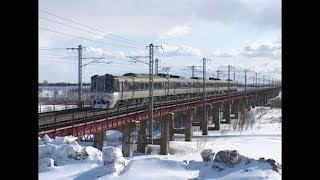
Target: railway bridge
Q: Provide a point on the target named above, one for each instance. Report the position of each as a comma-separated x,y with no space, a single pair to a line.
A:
127,119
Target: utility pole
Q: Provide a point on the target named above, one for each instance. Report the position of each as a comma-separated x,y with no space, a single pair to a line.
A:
229,82
234,70
263,80
229,105
156,66
205,126
256,80
245,80
79,48
218,74
151,46
193,68
252,82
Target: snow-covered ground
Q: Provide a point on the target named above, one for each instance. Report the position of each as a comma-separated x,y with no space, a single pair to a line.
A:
184,161
46,108
48,91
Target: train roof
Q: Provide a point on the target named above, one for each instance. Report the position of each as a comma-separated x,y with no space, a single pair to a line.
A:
140,77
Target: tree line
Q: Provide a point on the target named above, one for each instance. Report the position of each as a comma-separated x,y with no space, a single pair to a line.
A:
46,83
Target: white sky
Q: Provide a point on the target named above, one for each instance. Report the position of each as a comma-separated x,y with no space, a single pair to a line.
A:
247,33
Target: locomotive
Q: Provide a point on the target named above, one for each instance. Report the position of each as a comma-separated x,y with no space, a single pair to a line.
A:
108,91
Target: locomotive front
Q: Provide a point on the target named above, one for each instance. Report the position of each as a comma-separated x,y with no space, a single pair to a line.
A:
103,91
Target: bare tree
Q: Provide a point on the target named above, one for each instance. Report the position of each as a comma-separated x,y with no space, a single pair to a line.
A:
55,94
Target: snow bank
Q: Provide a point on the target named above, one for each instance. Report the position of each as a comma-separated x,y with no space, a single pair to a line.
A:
113,160
46,139
153,149
65,140
46,164
207,155
111,154
231,164
91,153
64,149
47,150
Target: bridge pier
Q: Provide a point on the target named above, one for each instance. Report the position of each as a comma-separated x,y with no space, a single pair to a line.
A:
264,100
171,127
216,117
189,130
165,129
226,112
142,140
204,122
127,138
235,109
100,140
253,101
247,104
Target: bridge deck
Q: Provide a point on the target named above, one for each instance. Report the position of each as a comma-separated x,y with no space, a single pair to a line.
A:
82,121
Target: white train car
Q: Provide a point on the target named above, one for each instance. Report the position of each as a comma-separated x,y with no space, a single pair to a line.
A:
109,91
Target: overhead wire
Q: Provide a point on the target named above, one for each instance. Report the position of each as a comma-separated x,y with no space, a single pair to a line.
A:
90,27
88,39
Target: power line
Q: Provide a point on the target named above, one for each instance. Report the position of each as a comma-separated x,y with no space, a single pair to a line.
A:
90,27
86,30
88,39
65,49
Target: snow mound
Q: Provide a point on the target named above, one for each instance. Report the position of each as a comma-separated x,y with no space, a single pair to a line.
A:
91,153
113,159
65,140
64,150
46,164
229,158
68,151
228,164
207,155
153,149
111,154
113,164
46,139
47,150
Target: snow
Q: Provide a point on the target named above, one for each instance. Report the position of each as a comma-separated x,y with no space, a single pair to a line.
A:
46,164
184,160
47,108
207,155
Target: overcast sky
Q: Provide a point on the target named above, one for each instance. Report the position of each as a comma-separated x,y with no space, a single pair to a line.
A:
244,33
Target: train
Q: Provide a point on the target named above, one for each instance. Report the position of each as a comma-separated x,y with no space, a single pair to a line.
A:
108,91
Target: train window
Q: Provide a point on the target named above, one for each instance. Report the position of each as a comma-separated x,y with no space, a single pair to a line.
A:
164,85
130,85
155,86
171,85
98,102
100,84
136,86
103,101
94,101
146,85
160,85
141,85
